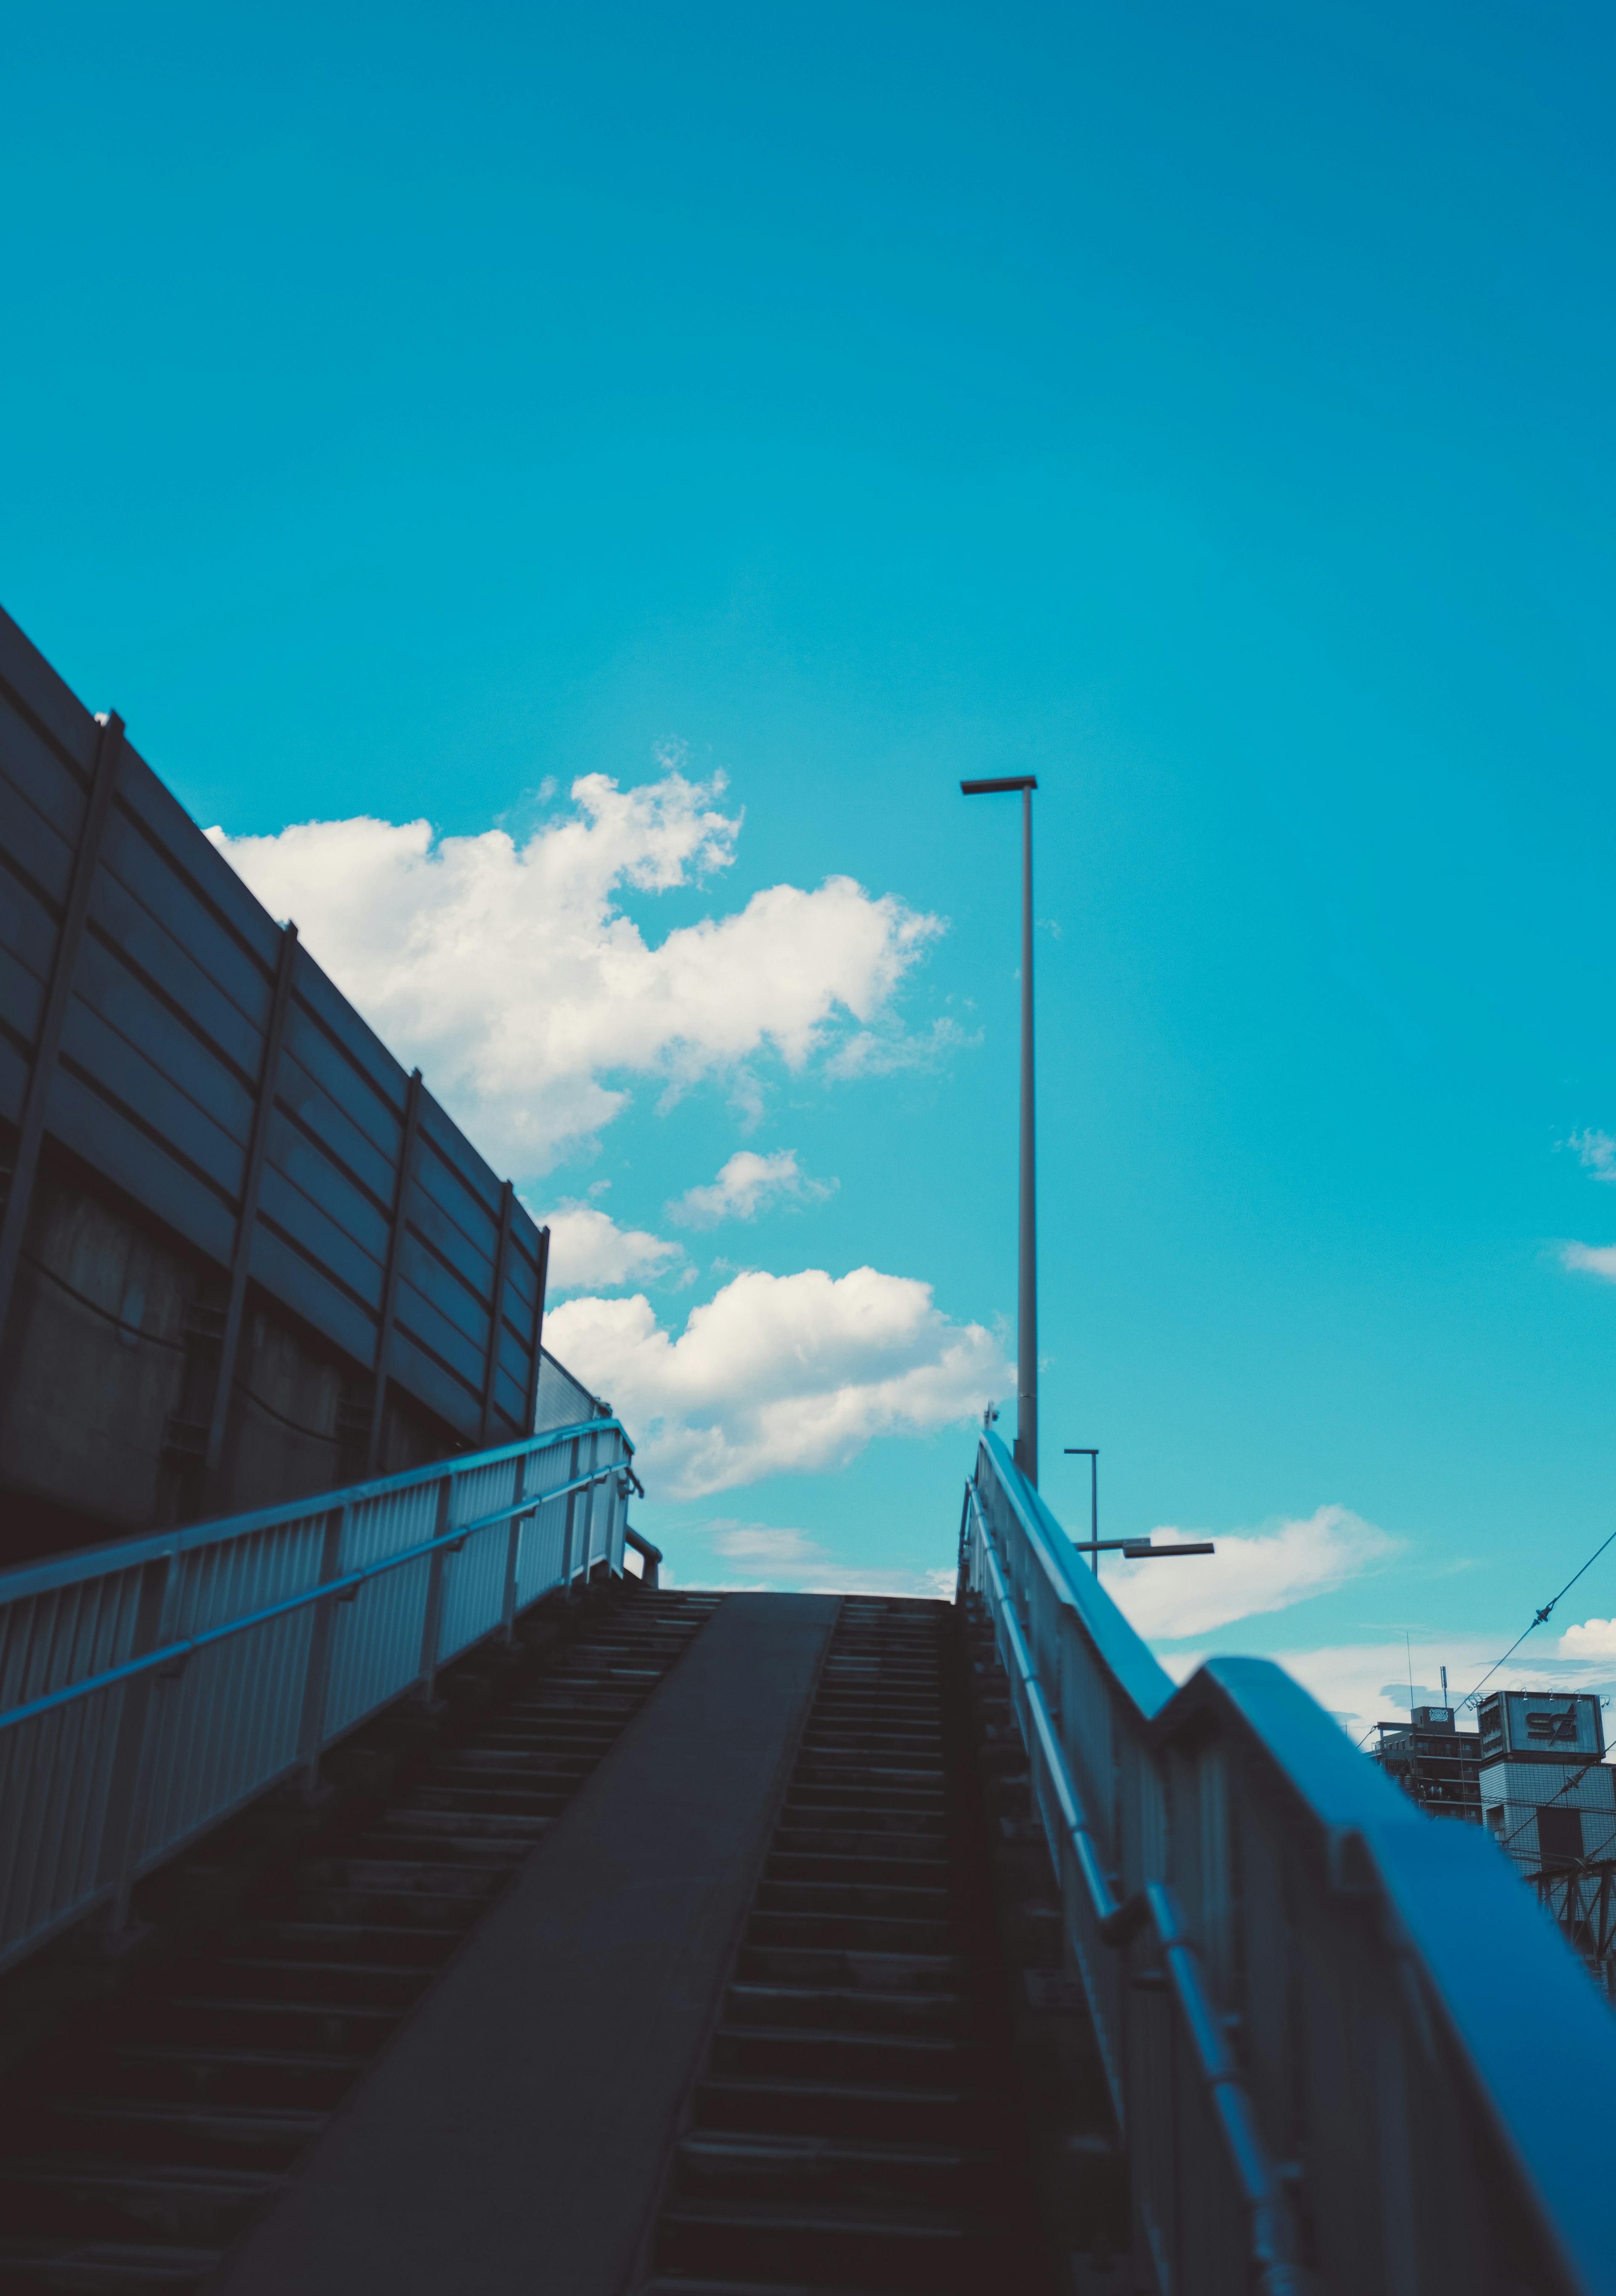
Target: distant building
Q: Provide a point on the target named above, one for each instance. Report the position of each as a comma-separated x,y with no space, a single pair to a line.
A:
1541,1801
1434,1762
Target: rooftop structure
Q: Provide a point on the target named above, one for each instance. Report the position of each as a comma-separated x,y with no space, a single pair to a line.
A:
1435,1762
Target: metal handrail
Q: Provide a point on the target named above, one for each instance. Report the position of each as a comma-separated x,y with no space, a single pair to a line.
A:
177,1653
160,1683
154,1546
1420,2080
1119,1922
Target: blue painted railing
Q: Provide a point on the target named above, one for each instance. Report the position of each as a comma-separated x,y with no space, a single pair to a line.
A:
1345,2050
148,1689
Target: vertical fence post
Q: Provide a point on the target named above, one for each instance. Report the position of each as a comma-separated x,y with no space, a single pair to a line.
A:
594,1460
431,1620
507,1616
572,1499
121,1825
317,1672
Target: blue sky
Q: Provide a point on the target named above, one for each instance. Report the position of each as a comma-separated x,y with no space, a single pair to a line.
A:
411,411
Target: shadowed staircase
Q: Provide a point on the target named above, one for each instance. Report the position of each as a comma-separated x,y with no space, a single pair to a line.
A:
857,2125
159,2136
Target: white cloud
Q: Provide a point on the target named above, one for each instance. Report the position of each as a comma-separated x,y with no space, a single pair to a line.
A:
1593,1639
779,1371
1597,1152
763,1544
747,1185
798,1564
1247,1575
1364,1683
869,1054
587,1247
1590,1260
511,974
929,1586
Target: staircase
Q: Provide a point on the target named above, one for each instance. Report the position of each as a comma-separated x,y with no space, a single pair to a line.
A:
857,2125
161,2135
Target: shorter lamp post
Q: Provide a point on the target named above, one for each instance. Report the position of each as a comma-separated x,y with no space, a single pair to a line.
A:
1132,1550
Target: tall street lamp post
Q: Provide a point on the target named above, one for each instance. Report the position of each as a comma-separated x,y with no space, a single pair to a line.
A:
1027,1311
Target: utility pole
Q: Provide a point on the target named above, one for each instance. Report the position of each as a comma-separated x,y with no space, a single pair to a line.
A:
1027,1305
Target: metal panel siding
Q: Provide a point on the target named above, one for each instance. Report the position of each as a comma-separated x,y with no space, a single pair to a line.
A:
127,1076
143,873
33,847
448,1294
455,1402
201,872
96,1129
27,927
22,997
161,1062
302,1193
36,684
288,1275
182,1056
460,1350
14,1081
54,789
366,1055
475,1180
473,1223
176,974
335,1136
374,1110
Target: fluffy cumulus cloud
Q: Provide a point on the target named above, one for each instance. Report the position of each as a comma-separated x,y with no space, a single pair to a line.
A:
587,1247
1594,1641
513,974
748,1183
778,1372
1248,1574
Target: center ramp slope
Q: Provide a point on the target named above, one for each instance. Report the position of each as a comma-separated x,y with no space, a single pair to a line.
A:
515,2136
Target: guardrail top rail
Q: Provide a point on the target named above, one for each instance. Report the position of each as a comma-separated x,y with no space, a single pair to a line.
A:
150,1688
1345,2050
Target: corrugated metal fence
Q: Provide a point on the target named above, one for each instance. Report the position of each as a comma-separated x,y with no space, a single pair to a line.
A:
159,1023
150,1688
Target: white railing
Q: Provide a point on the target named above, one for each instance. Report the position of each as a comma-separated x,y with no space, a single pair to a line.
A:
1345,2050
150,1688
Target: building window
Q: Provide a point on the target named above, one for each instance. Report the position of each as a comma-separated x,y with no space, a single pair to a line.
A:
1560,1836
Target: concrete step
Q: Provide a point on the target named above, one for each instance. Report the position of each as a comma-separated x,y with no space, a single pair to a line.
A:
791,1895
394,1986
895,2061
800,2169
75,2268
307,2080
915,2250
872,1973
908,1862
122,2201
842,2111
852,2010
217,2136
404,1946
